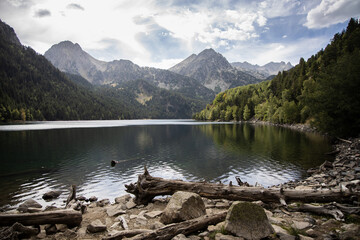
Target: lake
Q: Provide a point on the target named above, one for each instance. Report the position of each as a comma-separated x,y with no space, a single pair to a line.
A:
42,156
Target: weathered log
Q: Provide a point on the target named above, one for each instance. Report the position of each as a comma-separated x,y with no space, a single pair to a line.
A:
72,195
148,187
329,210
69,217
186,227
127,234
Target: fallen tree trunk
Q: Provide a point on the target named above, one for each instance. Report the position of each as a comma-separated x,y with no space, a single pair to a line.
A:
69,217
148,187
329,210
186,227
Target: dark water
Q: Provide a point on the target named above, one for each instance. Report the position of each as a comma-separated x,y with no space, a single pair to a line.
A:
36,161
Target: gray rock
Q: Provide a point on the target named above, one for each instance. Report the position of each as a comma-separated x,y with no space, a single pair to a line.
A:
301,225
96,226
114,211
180,237
103,202
183,206
349,231
220,236
30,203
156,225
93,199
282,233
51,195
153,214
248,220
50,229
130,204
123,199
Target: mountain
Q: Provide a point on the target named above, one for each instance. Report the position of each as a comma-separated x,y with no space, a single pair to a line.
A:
31,88
262,72
322,91
71,58
213,71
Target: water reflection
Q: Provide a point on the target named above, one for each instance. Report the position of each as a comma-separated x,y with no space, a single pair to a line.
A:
34,162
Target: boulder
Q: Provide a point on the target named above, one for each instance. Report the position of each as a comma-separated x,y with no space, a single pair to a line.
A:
183,206
18,231
30,203
96,226
50,229
248,220
51,195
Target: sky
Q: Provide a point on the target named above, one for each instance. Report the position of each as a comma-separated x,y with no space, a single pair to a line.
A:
161,33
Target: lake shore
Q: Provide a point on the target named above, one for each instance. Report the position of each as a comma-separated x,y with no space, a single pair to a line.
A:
343,173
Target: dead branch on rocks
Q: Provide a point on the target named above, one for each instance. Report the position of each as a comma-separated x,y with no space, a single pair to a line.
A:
127,234
186,227
148,187
69,217
328,209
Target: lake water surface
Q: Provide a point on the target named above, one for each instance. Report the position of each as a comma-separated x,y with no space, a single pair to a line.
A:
43,156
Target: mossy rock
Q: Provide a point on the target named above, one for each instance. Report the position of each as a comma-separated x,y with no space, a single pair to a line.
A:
248,220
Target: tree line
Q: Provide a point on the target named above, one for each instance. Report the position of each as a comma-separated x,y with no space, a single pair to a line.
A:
323,91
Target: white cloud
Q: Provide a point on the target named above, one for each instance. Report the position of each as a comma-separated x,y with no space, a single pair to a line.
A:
288,52
330,12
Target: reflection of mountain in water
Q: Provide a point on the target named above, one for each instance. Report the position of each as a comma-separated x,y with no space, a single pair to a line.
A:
264,154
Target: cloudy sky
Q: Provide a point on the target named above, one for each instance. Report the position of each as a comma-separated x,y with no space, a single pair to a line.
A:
160,33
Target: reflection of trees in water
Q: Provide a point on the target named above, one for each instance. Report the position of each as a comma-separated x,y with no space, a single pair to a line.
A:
280,144
197,152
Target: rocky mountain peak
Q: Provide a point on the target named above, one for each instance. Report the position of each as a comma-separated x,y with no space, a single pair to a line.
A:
7,33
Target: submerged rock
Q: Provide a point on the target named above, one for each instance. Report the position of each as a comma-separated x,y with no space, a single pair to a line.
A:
183,206
248,220
51,195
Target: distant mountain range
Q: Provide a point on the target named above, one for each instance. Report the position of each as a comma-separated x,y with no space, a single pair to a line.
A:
262,72
31,88
87,88
69,57
213,71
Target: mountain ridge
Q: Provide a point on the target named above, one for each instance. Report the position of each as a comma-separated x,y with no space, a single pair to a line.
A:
121,71
213,70
264,71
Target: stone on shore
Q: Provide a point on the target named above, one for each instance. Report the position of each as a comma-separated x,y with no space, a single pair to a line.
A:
51,195
114,211
183,206
30,203
96,226
248,220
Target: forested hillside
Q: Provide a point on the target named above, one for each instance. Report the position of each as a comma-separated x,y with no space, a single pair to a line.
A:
323,91
31,88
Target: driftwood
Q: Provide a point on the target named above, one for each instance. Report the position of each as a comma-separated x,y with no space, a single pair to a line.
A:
329,209
69,217
72,195
171,230
127,234
148,187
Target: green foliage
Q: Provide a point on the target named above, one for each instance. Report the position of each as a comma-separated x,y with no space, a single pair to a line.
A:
324,90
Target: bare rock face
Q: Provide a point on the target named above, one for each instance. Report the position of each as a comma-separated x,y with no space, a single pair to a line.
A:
183,206
248,220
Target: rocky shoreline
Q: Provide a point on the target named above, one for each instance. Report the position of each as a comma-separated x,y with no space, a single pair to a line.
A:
102,220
